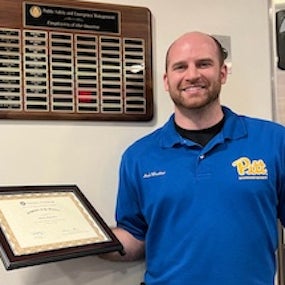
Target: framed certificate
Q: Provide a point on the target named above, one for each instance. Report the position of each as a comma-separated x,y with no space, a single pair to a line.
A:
40,224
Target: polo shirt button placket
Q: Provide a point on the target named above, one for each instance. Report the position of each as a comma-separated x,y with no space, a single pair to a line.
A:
202,156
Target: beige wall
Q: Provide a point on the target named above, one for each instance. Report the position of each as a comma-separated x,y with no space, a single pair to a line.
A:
88,153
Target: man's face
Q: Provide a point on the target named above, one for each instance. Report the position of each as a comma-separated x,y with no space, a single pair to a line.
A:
194,74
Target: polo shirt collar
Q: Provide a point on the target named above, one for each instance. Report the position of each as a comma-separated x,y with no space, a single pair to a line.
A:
234,128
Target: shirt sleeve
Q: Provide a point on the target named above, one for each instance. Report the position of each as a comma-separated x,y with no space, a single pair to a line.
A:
128,209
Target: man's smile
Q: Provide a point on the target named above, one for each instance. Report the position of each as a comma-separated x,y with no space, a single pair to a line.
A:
193,88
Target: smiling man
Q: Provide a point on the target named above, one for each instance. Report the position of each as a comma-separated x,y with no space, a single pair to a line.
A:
199,198
193,78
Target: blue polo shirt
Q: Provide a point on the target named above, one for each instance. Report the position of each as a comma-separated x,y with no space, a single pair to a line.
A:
207,214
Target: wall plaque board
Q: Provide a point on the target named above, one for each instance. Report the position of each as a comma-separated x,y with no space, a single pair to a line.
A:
73,60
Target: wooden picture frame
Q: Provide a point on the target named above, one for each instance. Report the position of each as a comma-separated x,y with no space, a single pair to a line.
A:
40,224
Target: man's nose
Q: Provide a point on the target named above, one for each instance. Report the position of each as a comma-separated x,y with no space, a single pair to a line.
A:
192,72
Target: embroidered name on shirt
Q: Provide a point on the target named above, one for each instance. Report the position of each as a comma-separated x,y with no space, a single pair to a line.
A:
247,169
154,174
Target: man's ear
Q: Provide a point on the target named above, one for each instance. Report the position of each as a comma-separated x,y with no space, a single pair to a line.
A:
165,82
224,73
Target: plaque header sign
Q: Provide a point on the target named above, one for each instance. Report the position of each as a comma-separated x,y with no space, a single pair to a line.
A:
61,17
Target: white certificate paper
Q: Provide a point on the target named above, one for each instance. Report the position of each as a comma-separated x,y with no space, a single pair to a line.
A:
36,222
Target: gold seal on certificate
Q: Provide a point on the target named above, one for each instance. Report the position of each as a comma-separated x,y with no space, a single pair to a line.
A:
41,224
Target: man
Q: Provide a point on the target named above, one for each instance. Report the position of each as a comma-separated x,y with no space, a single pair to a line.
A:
200,197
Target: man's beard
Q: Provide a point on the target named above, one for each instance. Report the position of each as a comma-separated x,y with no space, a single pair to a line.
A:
196,103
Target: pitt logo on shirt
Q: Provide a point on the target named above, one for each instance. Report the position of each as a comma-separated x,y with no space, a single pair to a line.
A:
247,169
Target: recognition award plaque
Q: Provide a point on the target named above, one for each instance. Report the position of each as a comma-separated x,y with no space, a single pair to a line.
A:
75,60
40,224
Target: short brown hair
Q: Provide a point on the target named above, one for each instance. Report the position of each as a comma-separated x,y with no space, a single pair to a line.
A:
223,53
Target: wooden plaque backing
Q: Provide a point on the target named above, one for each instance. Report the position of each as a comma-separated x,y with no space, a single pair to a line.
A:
75,60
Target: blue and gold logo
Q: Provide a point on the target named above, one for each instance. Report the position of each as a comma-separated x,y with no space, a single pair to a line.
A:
250,169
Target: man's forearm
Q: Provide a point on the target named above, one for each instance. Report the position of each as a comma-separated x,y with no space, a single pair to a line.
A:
133,248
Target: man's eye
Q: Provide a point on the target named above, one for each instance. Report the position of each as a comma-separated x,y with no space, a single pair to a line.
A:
179,67
204,64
